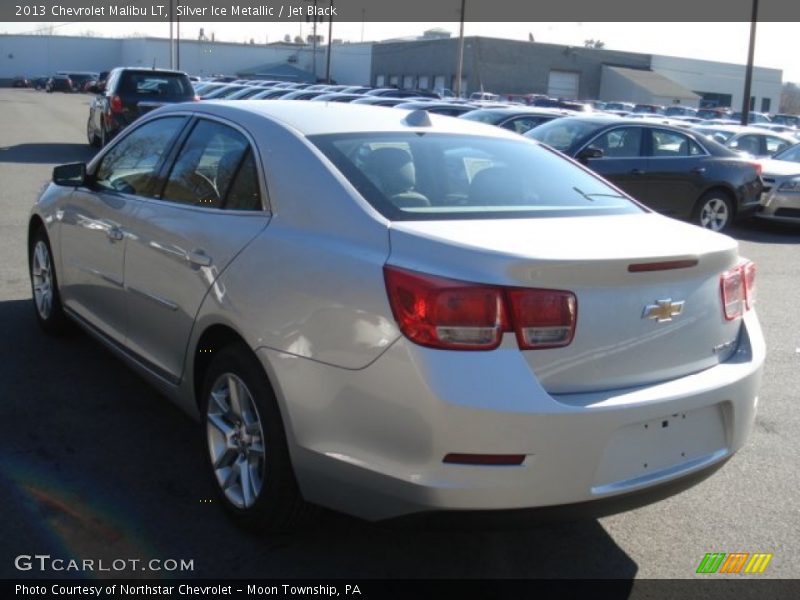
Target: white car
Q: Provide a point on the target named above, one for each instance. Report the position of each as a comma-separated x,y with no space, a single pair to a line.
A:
388,312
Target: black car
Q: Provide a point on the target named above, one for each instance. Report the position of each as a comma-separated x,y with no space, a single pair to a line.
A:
130,93
59,83
515,118
21,82
673,171
402,93
449,109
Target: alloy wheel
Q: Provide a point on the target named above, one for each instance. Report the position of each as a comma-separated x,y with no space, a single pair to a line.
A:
42,276
235,439
715,214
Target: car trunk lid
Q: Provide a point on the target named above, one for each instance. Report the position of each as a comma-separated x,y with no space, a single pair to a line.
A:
628,274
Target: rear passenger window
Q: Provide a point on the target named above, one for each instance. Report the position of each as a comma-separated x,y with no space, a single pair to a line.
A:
214,168
669,144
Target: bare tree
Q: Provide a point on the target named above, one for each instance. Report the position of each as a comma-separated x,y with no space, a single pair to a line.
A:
790,98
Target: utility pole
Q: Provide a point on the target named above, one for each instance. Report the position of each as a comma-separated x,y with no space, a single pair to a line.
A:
178,40
460,51
748,75
330,46
171,38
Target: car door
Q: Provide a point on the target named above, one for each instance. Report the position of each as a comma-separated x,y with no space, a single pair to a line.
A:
209,208
677,171
623,161
94,224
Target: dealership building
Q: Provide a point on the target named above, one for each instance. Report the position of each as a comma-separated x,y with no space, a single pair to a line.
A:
428,61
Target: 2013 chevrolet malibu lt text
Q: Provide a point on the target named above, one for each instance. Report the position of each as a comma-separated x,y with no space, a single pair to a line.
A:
387,312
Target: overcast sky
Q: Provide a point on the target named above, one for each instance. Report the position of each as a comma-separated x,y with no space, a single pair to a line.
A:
777,44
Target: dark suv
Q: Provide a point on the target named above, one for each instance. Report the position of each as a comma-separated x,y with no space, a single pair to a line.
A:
128,94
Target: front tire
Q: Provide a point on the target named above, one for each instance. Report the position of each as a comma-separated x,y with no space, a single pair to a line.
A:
44,286
246,449
714,211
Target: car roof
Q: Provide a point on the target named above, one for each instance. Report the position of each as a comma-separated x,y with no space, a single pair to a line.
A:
319,118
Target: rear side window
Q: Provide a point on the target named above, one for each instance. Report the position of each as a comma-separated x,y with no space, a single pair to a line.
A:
165,85
130,166
215,168
409,176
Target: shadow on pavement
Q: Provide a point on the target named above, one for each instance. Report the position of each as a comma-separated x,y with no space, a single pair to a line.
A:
97,465
766,232
42,153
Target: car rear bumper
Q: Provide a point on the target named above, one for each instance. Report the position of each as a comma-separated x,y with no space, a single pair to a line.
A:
371,442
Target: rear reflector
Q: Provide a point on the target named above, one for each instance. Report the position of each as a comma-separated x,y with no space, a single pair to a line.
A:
512,460
662,266
457,315
738,288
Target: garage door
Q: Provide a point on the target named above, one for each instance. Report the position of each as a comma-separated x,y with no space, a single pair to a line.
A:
563,84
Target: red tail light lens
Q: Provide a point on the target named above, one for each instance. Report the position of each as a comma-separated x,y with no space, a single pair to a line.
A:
738,290
443,313
759,168
543,318
457,315
749,270
116,104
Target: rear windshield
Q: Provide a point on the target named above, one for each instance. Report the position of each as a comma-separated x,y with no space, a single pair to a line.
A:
166,85
430,176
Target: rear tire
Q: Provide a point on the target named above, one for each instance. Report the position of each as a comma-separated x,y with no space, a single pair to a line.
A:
44,286
246,451
714,211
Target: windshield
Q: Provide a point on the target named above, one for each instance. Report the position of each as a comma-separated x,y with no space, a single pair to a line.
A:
791,154
562,133
429,176
483,116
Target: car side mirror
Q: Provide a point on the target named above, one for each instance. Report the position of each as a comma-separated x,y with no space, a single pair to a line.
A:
70,175
589,153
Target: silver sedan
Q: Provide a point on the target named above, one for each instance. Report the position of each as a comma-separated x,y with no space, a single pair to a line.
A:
780,200
388,312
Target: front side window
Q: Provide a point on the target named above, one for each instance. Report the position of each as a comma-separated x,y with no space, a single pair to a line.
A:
623,142
413,176
215,168
130,166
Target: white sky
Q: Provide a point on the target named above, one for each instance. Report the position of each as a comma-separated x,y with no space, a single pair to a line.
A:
777,44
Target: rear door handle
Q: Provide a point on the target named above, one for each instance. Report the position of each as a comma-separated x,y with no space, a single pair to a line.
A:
637,172
198,258
699,170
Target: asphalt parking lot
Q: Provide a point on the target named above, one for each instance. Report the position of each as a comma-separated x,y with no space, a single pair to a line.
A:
94,463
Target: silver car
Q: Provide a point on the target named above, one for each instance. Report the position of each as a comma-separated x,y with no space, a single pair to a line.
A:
387,312
780,200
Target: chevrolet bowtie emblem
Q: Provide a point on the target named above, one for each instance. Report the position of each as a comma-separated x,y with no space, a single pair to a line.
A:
663,310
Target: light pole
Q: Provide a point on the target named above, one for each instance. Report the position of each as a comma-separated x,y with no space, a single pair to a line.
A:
460,69
171,39
330,46
748,75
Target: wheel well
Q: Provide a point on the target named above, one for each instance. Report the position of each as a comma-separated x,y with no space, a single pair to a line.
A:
213,339
34,225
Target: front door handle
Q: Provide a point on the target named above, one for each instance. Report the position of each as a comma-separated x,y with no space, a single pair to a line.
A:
198,258
114,233
637,172
699,170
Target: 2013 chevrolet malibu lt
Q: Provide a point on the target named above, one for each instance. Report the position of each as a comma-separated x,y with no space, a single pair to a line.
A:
390,312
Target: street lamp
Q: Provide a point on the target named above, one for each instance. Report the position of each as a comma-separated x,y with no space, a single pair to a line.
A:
748,75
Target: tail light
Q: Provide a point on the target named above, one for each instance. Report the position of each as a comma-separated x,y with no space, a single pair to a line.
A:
116,104
196,98
759,168
457,315
738,287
